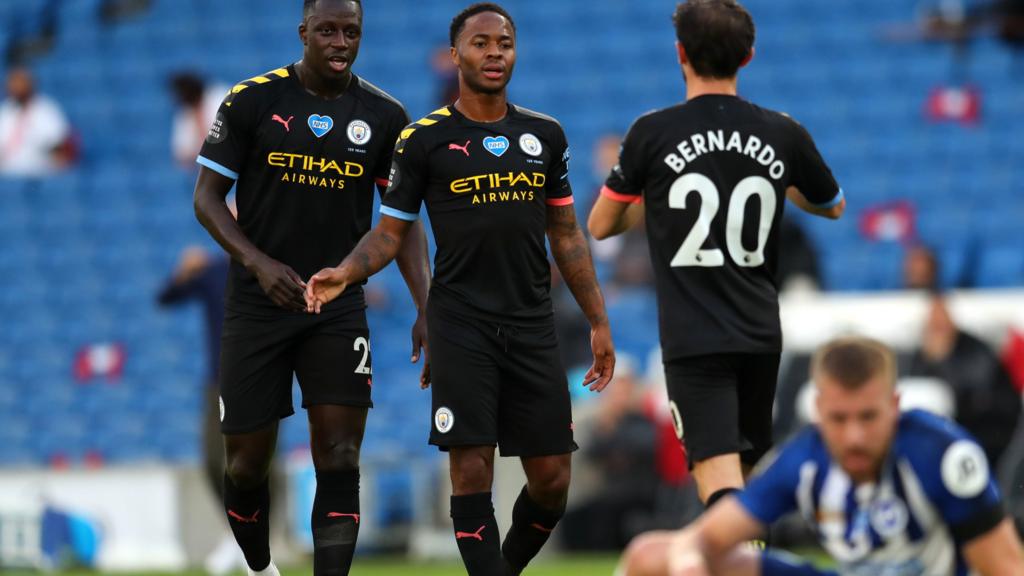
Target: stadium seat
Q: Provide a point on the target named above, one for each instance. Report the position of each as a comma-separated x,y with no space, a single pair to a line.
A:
114,227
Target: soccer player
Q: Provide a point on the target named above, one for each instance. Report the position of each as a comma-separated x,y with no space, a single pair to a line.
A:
305,145
886,493
711,175
494,177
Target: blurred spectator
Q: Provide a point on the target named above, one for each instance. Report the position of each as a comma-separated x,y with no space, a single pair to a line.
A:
604,157
197,108
798,261
987,404
621,445
1009,17
920,269
959,21
35,138
113,10
446,76
202,277
628,253
571,325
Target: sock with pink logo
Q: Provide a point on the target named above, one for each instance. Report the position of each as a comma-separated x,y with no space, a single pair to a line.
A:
531,526
476,533
335,521
249,518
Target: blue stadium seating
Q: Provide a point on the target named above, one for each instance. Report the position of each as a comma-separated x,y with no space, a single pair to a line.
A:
85,253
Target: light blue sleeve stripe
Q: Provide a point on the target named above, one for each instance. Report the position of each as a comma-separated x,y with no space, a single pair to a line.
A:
407,216
833,202
218,168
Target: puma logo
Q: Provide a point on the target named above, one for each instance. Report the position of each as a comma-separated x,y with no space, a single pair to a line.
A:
283,122
340,515
476,535
464,147
245,519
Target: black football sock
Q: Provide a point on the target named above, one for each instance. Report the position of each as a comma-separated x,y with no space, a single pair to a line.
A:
249,517
531,526
476,533
335,521
718,495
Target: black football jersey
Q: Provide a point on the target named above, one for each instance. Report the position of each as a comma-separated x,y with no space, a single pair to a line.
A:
713,175
305,169
486,187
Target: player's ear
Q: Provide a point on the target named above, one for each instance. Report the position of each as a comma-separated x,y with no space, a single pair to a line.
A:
302,33
681,53
749,57
455,56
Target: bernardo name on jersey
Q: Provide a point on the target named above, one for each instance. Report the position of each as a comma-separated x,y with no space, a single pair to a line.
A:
714,141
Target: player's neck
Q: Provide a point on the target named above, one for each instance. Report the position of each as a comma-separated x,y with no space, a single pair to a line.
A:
482,107
697,86
319,86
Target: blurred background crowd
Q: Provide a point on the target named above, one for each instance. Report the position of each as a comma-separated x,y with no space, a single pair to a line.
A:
112,292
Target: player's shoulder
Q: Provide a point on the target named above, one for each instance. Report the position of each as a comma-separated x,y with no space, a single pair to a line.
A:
781,120
424,129
538,121
941,453
378,98
805,445
534,116
771,116
655,122
807,442
920,428
658,116
260,86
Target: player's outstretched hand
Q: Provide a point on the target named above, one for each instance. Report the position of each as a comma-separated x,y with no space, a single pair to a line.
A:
281,284
601,372
419,343
323,287
683,560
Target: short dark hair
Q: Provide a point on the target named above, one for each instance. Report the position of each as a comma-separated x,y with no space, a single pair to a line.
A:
187,88
853,361
459,22
717,35
309,5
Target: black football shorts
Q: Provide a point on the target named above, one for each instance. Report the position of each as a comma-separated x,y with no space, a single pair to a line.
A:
328,352
722,404
495,384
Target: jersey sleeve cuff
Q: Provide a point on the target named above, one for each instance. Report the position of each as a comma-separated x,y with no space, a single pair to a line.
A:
982,521
746,502
619,197
395,213
564,201
833,202
218,168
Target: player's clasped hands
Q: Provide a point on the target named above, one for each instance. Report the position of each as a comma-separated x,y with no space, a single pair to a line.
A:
323,287
280,283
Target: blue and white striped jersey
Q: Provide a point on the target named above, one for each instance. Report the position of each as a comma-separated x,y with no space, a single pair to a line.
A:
934,493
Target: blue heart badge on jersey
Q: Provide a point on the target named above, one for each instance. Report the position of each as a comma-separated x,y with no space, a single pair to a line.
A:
320,125
496,145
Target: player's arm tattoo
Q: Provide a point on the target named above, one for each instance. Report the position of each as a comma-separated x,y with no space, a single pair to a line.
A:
376,249
572,256
414,262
